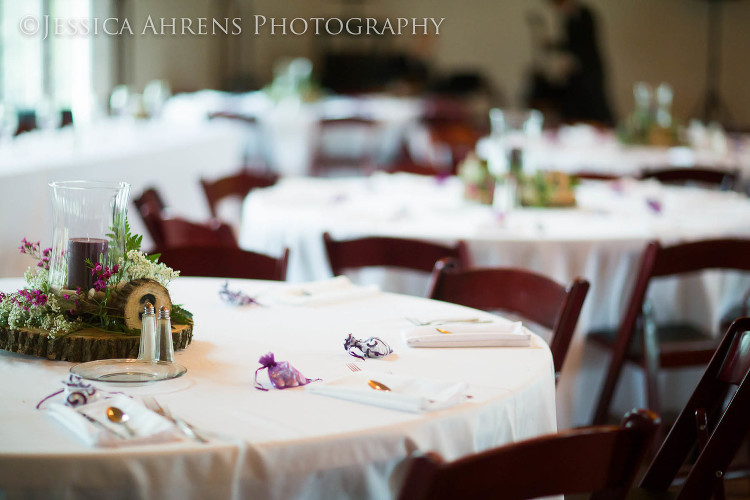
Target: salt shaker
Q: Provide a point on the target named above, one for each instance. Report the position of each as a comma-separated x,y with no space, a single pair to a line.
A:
148,347
164,349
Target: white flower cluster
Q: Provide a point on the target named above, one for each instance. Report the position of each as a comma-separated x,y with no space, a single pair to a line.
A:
138,266
48,317
37,278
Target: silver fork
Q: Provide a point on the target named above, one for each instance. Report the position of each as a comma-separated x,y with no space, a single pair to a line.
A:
353,367
152,404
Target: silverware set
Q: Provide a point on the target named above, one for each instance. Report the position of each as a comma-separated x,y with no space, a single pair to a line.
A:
374,384
184,427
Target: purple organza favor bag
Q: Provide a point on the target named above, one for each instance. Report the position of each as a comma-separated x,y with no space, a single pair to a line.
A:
282,374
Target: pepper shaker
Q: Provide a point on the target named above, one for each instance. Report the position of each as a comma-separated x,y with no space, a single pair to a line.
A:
148,347
164,348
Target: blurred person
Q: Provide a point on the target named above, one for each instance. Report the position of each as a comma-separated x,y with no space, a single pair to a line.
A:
569,73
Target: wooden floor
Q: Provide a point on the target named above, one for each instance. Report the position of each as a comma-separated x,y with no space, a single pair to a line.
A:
738,489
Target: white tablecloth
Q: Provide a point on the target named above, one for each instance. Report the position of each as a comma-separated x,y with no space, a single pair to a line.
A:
288,134
168,155
582,148
277,444
600,240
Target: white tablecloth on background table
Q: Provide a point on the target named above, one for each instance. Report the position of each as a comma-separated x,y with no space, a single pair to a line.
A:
287,132
600,240
277,444
168,155
581,148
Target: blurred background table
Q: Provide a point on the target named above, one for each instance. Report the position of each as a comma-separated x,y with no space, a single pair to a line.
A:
277,444
601,239
168,155
586,149
285,134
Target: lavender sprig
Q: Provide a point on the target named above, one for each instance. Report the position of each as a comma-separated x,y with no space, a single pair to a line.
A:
237,298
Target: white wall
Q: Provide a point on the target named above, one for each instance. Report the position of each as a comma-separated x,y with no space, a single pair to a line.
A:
651,40
187,62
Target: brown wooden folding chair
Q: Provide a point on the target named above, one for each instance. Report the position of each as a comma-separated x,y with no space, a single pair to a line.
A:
715,419
600,460
655,347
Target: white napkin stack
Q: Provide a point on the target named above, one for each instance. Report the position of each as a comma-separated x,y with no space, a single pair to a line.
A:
331,291
490,335
406,393
96,430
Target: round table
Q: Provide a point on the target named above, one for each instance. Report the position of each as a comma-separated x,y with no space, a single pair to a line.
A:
601,240
281,443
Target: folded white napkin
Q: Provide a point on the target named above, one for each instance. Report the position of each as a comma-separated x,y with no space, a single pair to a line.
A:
489,335
338,289
406,393
90,424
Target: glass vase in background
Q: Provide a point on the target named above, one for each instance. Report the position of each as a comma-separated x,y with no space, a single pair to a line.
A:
513,130
88,228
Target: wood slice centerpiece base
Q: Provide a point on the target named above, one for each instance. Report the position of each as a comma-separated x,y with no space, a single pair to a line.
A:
91,344
83,345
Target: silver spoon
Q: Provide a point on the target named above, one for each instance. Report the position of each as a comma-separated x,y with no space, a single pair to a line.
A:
378,386
119,417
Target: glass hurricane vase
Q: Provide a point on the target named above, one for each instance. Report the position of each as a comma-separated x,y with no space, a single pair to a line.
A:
88,229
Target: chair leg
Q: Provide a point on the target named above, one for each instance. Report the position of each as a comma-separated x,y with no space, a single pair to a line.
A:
619,351
651,372
651,367
608,390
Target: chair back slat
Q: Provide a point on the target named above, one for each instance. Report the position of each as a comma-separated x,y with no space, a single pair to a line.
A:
401,253
719,178
177,232
237,185
725,253
225,262
599,460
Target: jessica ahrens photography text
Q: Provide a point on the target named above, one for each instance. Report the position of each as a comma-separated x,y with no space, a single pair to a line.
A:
46,26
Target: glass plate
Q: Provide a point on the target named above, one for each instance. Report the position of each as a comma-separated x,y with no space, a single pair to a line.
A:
128,370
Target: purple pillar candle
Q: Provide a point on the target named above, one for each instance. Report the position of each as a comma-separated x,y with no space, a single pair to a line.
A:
81,250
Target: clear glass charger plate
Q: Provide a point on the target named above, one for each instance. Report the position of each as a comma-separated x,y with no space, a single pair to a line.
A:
128,370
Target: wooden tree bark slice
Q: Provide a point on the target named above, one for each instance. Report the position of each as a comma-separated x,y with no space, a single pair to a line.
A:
128,298
84,345
131,297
